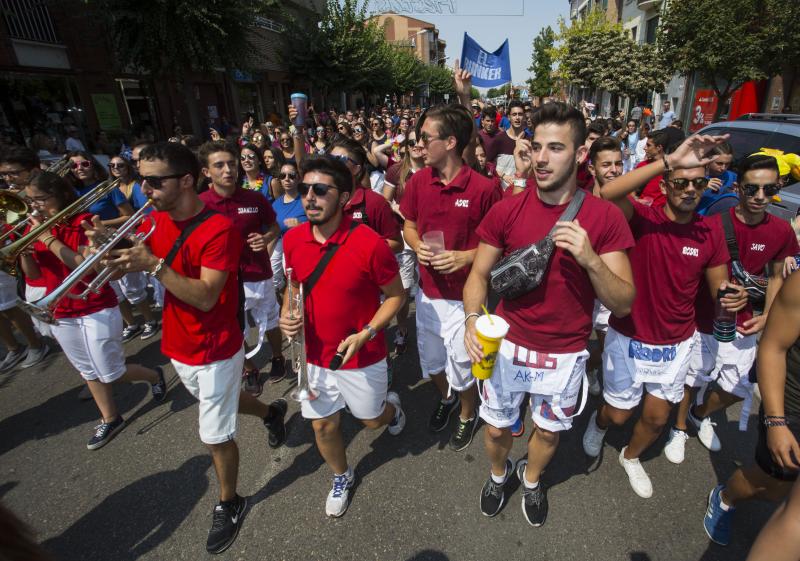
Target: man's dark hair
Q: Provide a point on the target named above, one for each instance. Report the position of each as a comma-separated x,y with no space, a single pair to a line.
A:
603,144
660,138
757,161
488,111
178,157
597,127
355,150
450,120
515,103
561,114
677,123
141,144
330,166
214,146
20,155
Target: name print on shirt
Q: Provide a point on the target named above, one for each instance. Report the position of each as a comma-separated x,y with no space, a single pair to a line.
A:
692,251
248,210
462,203
758,247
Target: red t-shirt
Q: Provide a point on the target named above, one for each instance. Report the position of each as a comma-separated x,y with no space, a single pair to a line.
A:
584,177
457,209
556,317
251,213
192,336
53,272
348,293
392,175
669,263
770,240
497,143
368,207
652,191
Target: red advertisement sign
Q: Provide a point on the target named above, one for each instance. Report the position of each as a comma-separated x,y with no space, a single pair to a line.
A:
703,109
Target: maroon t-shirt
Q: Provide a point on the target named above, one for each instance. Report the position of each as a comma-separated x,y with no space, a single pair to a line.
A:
251,213
556,317
759,245
669,263
652,191
369,208
456,209
497,143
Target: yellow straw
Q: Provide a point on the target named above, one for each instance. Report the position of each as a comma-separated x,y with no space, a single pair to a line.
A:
488,315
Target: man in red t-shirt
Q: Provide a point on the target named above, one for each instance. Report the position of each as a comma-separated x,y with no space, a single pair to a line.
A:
544,353
495,141
343,318
654,150
201,331
649,350
443,205
253,216
763,242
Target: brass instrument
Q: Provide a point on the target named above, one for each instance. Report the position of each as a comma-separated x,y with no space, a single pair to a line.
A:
13,209
43,308
10,253
61,167
297,344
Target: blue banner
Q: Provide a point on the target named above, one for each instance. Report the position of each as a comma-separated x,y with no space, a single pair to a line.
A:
487,69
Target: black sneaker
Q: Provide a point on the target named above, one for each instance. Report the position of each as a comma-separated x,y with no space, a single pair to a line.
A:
130,332
534,501
462,436
276,428
225,523
104,432
278,370
149,330
441,415
493,495
159,389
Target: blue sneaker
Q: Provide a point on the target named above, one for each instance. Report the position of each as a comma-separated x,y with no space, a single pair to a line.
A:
518,428
717,521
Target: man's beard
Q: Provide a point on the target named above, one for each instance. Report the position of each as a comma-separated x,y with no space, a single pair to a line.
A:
557,182
324,218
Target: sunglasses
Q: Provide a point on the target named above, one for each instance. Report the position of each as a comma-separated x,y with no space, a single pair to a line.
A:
155,181
344,158
425,138
681,183
82,164
285,139
117,166
752,189
290,175
320,189
247,157
359,131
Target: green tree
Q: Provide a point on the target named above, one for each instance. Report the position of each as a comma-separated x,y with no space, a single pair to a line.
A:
728,42
474,93
492,92
406,71
542,83
440,79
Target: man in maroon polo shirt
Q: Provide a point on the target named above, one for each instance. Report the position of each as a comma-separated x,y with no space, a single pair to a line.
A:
447,200
253,216
544,353
343,316
495,141
647,353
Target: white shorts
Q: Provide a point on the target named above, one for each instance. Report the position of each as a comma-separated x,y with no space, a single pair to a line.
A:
440,347
362,390
600,316
553,380
407,260
158,291
93,344
216,386
260,301
733,364
622,390
701,366
276,261
132,287
32,294
8,291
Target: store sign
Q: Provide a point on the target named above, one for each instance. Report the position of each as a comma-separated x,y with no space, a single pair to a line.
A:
105,107
703,109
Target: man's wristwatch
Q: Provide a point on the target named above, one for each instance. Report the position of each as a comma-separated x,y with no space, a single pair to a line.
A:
371,330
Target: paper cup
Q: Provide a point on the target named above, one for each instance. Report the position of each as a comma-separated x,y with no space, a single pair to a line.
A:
490,335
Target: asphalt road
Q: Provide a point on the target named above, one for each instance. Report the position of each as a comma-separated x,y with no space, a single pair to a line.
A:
149,493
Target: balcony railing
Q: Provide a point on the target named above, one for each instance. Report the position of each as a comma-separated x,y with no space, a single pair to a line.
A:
29,20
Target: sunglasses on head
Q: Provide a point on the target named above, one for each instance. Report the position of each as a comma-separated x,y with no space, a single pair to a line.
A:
682,183
752,189
320,189
81,164
155,181
290,175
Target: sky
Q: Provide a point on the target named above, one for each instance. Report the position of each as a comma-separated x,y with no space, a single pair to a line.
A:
489,22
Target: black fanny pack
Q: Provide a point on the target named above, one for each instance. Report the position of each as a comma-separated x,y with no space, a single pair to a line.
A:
523,270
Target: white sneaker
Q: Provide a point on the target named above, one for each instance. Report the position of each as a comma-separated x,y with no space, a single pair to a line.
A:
675,450
594,382
35,356
339,497
638,478
706,433
399,422
593,437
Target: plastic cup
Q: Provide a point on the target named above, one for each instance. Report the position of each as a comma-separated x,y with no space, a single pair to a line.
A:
300,102
434,239
490,335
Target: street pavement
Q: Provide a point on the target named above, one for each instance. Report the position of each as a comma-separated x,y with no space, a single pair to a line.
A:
149,493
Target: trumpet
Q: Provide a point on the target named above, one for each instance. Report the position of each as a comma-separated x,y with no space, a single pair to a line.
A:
297,344
43,308
61,167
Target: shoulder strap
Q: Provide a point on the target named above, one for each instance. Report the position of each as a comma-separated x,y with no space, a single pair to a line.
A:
191,227
315,275
730,236
572,209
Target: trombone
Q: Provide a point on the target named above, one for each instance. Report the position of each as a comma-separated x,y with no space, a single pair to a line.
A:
43,308
297,344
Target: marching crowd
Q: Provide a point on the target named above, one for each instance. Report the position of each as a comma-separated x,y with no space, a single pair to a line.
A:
322,232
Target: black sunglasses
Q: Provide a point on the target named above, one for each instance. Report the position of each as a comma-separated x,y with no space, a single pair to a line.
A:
682,183
290,175
155,181
751,189
320,189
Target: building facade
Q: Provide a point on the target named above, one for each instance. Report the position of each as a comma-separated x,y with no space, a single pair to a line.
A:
422,37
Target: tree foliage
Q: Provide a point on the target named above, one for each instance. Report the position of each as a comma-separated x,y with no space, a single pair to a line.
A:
441,81
542,83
